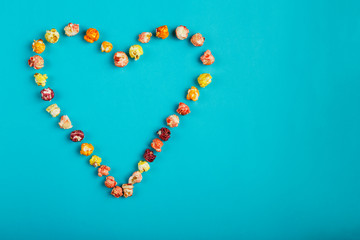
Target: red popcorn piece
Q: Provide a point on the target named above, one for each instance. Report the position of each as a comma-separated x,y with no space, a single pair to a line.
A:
77,136
128,189
149,155
182,32
197,40
136,177
207,58
183,109
110,182
173,121
164,134
117,191
103,170
121,59
47,94
36,62
157,144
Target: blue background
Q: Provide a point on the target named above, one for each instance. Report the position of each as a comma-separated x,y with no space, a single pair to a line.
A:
270,150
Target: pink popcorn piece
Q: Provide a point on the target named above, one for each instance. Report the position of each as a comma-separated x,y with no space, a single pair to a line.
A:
182,32
136,177
103,170
117,191
183,109
47,94
197,40
145,37
65,122
77,136
173,121
110,182
36,61
207,58
128,190
71,29
121,59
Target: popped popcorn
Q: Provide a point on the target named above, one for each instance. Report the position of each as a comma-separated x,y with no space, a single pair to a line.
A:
117,191
182,32
52,36
77,136
143,166
128,190
204,79
157,144
173,120
183,109
40,79
135,51
121,59
53,109
71,29
91,35
197,40
145,37
193,94
110,182
95,161
38,46
164,134
36,62
86,149
106,47
162,32
136,177
103,170
65,122
149,155
47,94
207,58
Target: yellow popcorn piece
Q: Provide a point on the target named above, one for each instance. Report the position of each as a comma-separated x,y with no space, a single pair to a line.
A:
143,166
52,36
204,79
40,79
136,51
53,109
95,161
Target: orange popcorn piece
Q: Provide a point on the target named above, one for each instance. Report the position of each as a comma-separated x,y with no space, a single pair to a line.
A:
38,46
106,47
92,35
193,94
157,144
162,32
86,149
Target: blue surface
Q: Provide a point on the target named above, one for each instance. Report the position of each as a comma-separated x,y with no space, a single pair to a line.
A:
270,151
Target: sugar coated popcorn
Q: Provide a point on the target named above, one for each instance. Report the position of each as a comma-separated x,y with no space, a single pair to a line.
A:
182,32
71,29
197,40
38,46
36,62
53,109
193,94
86,149
164,134
117,191
121,59
204,79
77,136
65,122
52,36
162,32
91,35
103,170
95,161
128,190
40,79
157,144
143,166
183,109
106,47
172,120
145,37
207,58
110,182
135,51
47,94
136,177
149,155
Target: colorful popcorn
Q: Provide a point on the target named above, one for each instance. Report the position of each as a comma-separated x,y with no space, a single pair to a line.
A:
86,149
157,144
65,122
92,35
197,40
36,62
145,37
53,109
136,177
121,59
135,51
71,29
143,166
52,36
173,120
40,79
47,94
164,134
117,191
77,136
38,46
95,161
162,32
106,47
207,58
149,155
128,190
103,170
204,79
183,109
193,94
182,32
110,182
